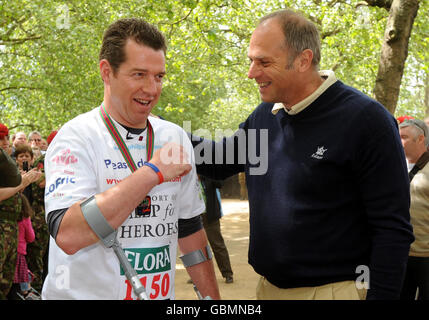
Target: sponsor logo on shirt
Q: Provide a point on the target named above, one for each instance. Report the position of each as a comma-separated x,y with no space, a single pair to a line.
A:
59,182
149,260
113,181
57,195
132,147
120,165
137,146
319,154
64,158
63,171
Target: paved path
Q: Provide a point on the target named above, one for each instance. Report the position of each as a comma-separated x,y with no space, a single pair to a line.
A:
235,230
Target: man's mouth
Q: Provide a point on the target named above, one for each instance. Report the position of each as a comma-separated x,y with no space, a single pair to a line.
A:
264,84
142,102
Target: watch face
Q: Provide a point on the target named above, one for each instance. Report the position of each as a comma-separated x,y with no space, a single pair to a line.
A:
143,209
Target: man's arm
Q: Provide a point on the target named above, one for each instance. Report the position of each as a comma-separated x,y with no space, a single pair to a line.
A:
118,202
8,171
384,185
222,159
27,178
202,274
6,193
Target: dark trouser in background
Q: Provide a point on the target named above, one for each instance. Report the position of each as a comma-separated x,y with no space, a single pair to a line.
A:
218,246
8,252
417,276
37,252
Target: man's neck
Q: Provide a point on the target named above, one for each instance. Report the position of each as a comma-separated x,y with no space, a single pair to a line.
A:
135,131
416,157
111,111
308,89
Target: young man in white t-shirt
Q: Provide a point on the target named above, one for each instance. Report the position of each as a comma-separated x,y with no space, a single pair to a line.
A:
153,207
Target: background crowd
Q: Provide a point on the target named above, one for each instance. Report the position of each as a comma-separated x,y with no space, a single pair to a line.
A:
24,236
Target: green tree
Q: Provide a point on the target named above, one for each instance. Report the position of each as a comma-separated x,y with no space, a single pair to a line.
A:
49,56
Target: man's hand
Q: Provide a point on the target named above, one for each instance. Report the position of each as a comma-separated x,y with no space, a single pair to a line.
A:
31,176
172,160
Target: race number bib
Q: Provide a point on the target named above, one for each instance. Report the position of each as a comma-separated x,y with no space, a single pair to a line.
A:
153,267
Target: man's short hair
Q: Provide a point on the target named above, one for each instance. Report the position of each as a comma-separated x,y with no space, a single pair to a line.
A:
419,128
17,133
34,133
117,34
300,34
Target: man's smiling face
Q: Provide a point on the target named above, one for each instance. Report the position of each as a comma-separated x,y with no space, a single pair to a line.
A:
270,64
135,88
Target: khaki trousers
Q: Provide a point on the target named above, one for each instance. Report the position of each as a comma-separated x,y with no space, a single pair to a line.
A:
344,290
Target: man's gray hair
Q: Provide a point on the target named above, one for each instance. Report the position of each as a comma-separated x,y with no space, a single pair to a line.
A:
300,34
419,127
33,133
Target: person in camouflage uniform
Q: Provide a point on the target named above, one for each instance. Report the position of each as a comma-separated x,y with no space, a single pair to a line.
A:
9,213
11,205
9,208
37,250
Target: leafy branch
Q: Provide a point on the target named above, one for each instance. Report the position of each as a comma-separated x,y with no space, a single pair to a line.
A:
19,87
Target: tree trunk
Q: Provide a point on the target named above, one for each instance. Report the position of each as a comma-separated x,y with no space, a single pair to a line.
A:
426,100
394,52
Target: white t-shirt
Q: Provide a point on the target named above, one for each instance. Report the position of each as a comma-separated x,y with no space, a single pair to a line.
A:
84,160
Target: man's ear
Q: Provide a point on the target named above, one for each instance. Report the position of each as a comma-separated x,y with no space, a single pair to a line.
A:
304,60
105,71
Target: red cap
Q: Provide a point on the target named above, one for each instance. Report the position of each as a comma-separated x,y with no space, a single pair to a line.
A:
403,118
51,136
4,131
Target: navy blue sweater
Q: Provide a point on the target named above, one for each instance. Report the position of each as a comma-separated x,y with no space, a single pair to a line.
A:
335,195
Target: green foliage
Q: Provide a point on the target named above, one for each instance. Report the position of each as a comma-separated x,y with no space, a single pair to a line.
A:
416,74
49,56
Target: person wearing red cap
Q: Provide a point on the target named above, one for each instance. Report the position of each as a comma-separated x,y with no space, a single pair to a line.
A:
51,137
8,169
4,138
4,131
403,118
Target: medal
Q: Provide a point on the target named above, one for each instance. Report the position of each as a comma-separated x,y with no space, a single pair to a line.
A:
143,209
150,139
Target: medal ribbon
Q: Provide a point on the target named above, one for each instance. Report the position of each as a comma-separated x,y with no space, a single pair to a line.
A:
150,139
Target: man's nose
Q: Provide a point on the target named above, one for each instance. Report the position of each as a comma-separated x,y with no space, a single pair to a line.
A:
254,71
150,86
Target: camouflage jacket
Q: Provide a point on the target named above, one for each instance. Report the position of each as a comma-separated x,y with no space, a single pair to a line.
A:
10,209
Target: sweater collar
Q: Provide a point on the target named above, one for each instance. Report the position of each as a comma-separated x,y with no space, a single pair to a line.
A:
330,79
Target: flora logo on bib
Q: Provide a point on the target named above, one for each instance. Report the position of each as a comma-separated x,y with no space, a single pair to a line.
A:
149,260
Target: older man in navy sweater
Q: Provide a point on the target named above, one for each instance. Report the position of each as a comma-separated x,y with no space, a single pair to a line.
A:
329,199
